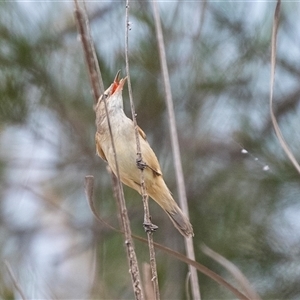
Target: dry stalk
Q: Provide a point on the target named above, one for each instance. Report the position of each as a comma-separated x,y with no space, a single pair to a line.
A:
98,89
149,227
83,28
187,286
278,132
175,147
148,286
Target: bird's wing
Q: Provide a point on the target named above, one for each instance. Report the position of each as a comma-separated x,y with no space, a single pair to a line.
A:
98,147
142,133
149,156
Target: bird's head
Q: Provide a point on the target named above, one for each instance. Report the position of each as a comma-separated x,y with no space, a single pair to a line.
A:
113,98
113,95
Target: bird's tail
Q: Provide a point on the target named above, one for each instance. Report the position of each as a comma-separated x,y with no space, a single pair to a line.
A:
180,221
159,192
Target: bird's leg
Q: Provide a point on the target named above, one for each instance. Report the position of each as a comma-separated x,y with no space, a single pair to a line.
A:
148,226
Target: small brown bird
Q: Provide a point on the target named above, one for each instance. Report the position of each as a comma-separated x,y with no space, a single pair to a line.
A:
125,143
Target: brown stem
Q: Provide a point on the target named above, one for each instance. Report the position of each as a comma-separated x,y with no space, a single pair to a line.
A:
89,51
147,221
175,146
278,132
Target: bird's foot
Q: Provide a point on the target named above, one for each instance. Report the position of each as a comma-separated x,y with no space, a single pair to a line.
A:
149,227
140,164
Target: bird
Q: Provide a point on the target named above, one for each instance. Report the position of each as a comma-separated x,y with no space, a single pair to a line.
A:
123,133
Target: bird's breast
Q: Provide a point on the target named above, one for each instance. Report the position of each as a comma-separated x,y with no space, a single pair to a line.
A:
123,135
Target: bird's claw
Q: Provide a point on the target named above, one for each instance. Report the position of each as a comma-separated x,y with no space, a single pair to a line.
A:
140,164
149,227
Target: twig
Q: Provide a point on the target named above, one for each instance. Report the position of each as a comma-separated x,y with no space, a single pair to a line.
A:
147,221
89,191
234,270
98,90
148,286
175,146
89,51
14,280
187,284
278,132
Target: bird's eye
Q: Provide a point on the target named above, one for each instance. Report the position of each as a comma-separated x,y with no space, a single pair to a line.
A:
105,96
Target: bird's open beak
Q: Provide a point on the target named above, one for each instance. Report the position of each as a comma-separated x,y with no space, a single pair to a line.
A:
117,77
118,83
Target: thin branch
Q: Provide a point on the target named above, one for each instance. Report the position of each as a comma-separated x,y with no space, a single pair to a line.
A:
98,90
234,270
187,284
147,221
89,51
148,286
14,280
175,146
278,132
89,192
96,14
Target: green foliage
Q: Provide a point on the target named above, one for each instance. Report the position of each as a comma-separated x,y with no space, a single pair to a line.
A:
13,109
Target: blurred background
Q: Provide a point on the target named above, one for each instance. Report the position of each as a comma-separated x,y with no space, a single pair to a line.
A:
242,190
